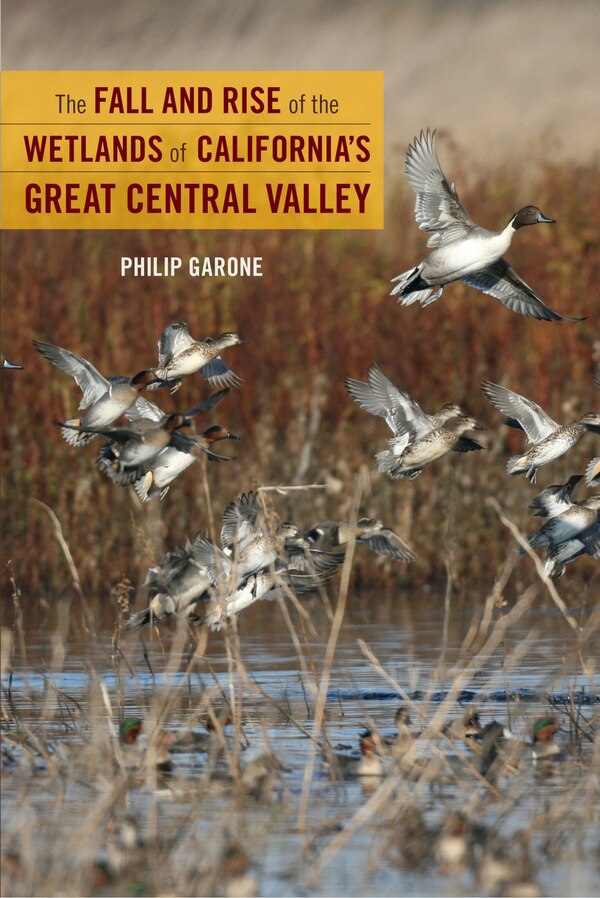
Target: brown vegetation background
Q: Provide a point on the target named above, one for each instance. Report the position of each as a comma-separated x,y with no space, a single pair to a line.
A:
320,313
512,89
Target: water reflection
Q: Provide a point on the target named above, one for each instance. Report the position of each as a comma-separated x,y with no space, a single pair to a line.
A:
416,651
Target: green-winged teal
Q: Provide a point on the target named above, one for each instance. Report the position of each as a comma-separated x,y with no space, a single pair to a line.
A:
379,396
462,250
549,440
407,457
364,763
179,355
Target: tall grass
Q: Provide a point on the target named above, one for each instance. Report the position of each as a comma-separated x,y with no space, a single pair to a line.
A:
320,313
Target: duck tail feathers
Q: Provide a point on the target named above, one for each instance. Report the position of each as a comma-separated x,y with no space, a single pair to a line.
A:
410,288
76,437
518,464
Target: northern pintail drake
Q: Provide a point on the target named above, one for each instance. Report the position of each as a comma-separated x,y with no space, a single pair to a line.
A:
379,396
179,355
549,440
6,363
372,533
462,250
407,455
105,399
134,445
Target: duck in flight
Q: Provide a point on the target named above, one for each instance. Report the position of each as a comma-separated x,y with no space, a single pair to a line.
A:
462,250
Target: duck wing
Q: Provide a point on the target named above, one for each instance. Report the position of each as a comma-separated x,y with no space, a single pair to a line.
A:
401,409
502,282
555,499
590,539
206,404
89,380
174,340
218,373
467,444
239,519
533,419
437,207
372,400
386,542
145,408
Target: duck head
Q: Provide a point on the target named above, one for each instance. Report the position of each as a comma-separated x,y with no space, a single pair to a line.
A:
530,215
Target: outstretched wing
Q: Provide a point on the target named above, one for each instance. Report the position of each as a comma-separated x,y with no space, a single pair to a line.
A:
92,384
533,419
437,207
502,282
173,340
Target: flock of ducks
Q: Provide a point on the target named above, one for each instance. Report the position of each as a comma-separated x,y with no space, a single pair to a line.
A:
213,581
148,448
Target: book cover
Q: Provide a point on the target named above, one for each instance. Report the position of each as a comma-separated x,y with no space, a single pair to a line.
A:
275,234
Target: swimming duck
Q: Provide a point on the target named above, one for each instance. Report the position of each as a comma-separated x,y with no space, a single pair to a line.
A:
541,748
549,440
493,736
372,533
365,763
104,398
407,455
135,445
133,750
379,396
179,355
462,250
398,744
468,726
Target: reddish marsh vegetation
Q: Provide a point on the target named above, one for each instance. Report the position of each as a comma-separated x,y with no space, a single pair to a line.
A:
321,312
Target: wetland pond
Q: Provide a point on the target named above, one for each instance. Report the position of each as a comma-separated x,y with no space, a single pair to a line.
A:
77,822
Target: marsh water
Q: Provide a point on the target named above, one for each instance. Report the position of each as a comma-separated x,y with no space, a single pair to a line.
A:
539,666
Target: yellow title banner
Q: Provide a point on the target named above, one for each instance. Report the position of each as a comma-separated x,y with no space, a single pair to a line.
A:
192,150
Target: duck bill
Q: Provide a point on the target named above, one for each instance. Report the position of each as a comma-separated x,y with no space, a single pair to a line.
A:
233,436
542,219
